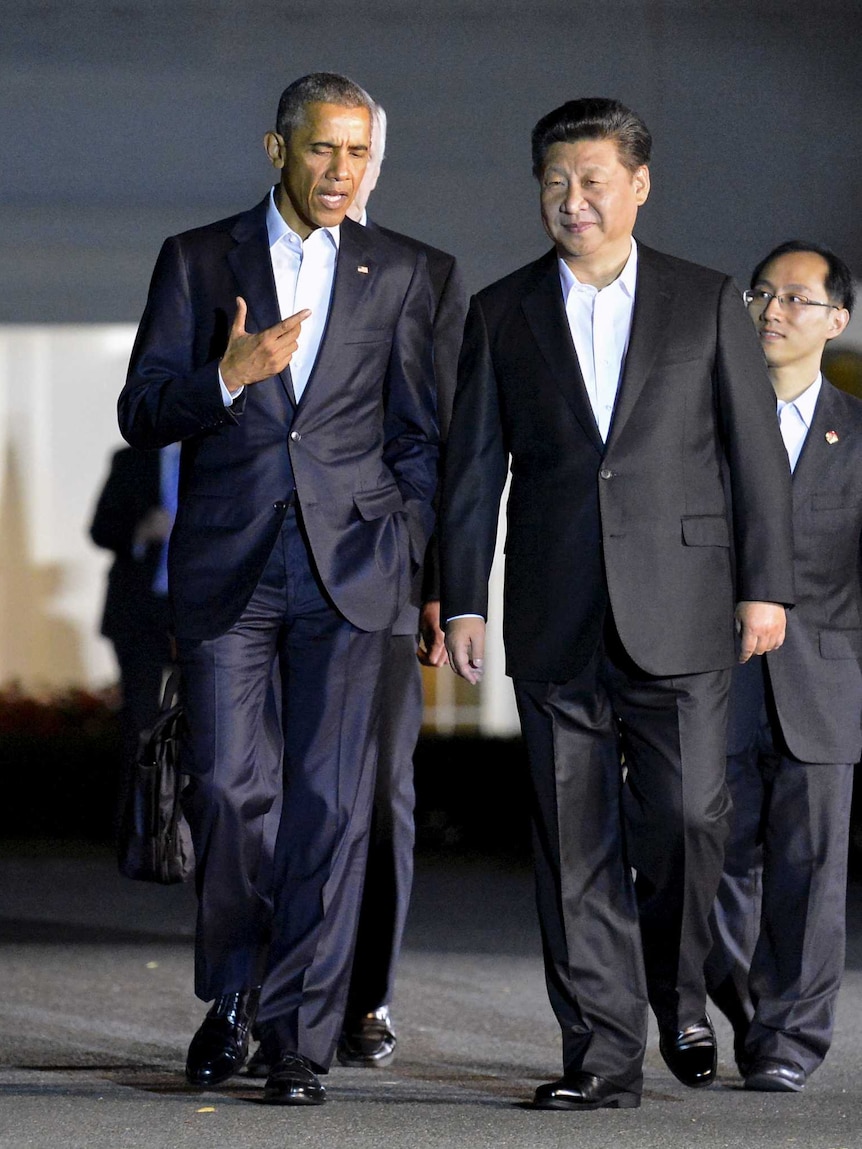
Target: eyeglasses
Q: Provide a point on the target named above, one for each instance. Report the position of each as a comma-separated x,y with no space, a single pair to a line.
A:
790,302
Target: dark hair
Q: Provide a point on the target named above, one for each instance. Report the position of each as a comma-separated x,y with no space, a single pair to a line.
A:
838,282
593,118
317,88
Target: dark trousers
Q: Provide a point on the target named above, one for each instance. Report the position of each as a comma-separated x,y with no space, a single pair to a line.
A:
143,650
283,913
389,876
607,943
779,920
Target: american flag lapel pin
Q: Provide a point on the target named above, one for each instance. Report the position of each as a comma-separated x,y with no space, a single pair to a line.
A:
831,437
362,269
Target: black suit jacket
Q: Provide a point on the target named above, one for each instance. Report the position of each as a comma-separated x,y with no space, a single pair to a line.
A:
359,450
642,522
450,309
131,490
816,676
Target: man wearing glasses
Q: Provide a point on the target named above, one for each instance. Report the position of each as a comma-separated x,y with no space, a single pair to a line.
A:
794,728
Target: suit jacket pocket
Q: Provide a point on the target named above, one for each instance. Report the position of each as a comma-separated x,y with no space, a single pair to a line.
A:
367,335
841,643
831,501
375,504
705,531
678,358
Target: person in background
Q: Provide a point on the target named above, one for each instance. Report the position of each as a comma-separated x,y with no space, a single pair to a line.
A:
133,518
795,725
368,1037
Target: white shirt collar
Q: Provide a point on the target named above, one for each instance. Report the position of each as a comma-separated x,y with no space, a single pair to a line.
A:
626,279
277,228
806,402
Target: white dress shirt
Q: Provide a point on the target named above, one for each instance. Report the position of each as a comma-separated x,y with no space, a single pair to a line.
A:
795,418
304,272
600,320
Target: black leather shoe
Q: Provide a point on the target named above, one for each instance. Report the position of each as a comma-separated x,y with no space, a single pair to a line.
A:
367,1042
293,1082
258,1064
769,1075
691,1054
220,1046
581,1090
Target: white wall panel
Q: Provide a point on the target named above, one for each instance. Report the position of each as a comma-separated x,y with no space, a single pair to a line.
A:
58,428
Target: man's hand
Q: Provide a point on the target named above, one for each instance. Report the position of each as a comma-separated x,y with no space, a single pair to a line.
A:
761,627
465,642
251,358
154,527
432,640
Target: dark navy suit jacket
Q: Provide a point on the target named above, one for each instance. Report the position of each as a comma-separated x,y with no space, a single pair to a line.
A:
450,309
359,450
131,490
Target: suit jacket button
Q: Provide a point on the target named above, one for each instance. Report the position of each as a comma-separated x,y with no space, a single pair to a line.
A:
605,473
295,435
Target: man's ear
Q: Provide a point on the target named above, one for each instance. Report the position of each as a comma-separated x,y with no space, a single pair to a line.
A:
838,320
275,149
640,179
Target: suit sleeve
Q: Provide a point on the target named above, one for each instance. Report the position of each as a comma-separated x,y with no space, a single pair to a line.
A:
168,396
411,438
757,461
474,474
448,335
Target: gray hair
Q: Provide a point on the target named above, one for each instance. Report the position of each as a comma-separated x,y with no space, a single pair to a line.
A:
378,133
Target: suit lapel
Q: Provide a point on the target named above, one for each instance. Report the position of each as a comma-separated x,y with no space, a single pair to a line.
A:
355,269
546,317
818,454
252,267
650,318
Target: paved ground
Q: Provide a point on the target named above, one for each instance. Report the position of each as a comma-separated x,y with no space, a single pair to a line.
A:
96,1011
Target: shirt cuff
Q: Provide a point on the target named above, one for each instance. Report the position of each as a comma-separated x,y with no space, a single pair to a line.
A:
228,398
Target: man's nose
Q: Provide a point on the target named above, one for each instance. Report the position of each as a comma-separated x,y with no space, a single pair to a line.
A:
338,168
574,201
772,309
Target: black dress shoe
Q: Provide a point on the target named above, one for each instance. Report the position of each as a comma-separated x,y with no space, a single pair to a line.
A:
293,1082
770,1075
581,1090
220,1046
691,1054
367,1042
258,1064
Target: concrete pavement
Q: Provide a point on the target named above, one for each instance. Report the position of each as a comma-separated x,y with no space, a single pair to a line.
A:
96,1011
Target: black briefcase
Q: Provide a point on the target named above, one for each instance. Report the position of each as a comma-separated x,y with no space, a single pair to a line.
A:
154,842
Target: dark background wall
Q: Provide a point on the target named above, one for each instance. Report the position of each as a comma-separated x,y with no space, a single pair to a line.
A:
123,122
